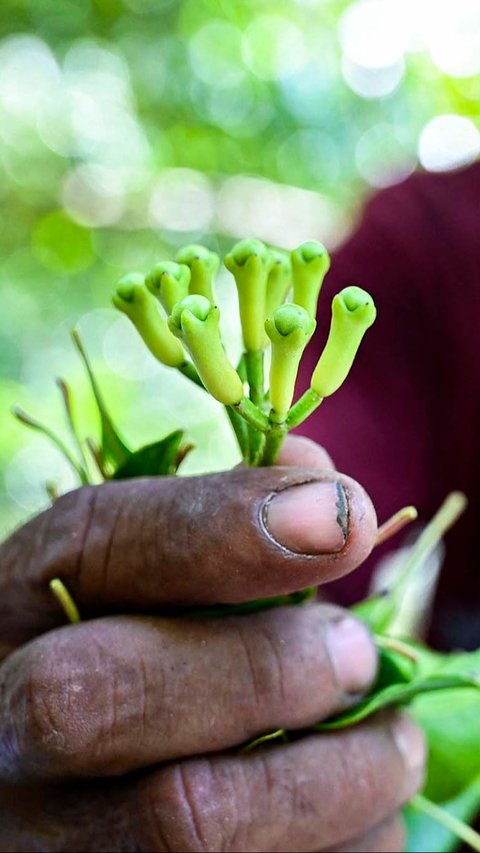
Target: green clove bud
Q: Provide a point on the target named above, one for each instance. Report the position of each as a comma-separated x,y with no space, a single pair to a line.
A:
203,265
134,300
169,282
279,279
196,322
289,328
353,312
250,262
310,264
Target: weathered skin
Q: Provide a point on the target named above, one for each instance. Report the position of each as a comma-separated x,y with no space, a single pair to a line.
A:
117,734
148,543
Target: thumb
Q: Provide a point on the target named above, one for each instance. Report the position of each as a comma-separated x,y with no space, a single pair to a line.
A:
172,542
301,452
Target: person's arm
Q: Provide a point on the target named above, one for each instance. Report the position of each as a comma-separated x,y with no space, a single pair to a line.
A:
407,422
122,733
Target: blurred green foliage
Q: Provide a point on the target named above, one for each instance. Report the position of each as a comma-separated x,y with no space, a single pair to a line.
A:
128,127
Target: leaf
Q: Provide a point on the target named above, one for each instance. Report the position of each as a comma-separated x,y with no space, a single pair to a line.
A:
114,451
27,420
393,669
220,610
67,398
51,489
451,721
182,454
153,460
378,612
426,834
371,610
398,694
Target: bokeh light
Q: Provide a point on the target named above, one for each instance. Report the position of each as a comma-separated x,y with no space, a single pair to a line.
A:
129,127
448,141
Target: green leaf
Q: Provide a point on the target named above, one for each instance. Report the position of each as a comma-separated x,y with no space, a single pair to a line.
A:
114,452
398,694
451,723
153,460
67,398
218,610
378,612
425,833
28,421
393,669
371,610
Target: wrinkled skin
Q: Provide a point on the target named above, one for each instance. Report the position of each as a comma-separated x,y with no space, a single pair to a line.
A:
122,733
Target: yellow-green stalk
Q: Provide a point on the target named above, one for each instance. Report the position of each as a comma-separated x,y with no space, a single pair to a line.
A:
168,282
250,262
310,264
195,321
279,280
134,300
353,312
203,265
289,328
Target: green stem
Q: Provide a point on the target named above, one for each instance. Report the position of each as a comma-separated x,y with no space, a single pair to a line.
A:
242,369
239,426
59,444
279,734
388,606
395,645
67,402
114,450
303,408
444,818
65,600
97,457
273,443
254,368
255,375
252,414
257,445
240,429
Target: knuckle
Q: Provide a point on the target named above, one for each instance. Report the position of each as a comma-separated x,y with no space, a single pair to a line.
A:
289,667
185,808
65,724
83,538
49,737
66,531
263,667
381,777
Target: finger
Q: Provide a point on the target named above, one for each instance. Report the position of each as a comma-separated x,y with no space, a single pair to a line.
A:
174,688
146,543
301,797
98,817
310,795
300,451
83,817
388,837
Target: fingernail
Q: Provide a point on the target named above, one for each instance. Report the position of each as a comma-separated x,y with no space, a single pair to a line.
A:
352,653
309,519
410,742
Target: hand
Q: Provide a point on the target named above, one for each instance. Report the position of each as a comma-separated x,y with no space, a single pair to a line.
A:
117,734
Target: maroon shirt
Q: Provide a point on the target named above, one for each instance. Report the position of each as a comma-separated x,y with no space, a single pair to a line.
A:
407,422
